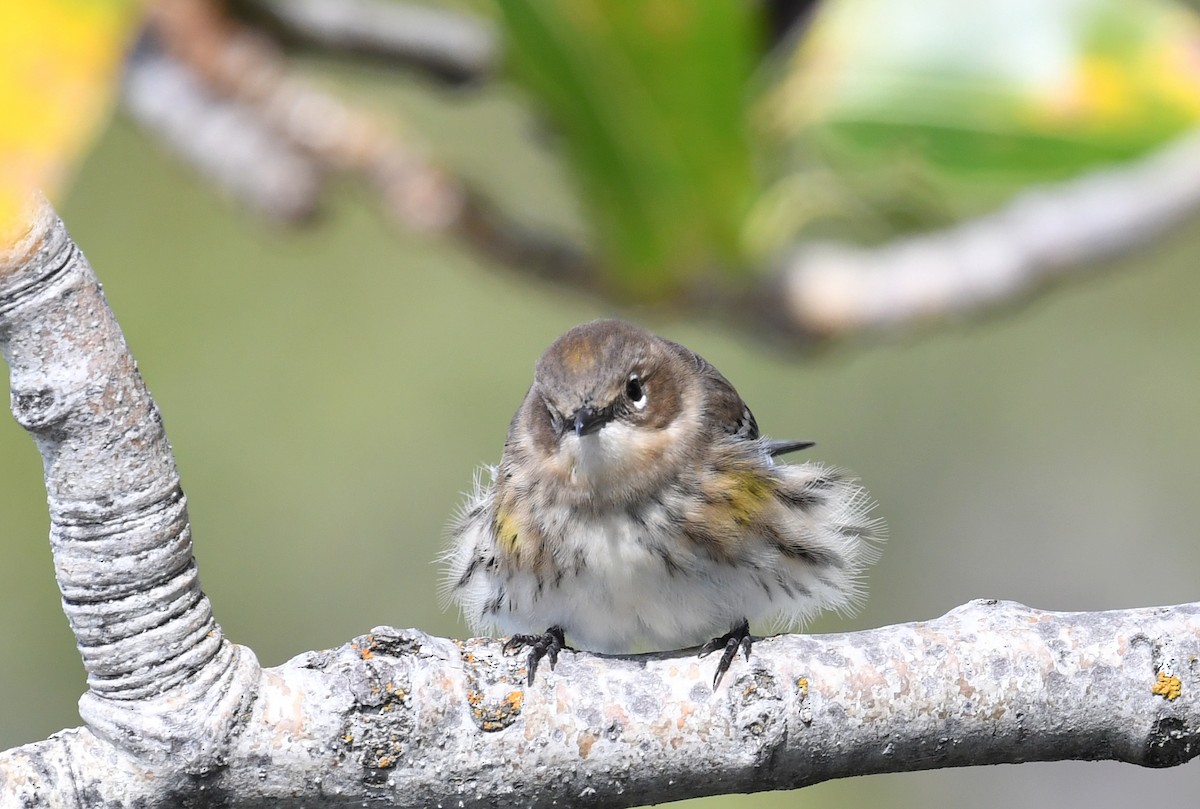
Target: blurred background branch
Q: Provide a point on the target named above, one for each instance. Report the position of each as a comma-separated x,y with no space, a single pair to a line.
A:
814,171
995,259
714,153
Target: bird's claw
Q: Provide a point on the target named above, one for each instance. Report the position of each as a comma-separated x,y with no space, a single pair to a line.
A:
736,638
548,645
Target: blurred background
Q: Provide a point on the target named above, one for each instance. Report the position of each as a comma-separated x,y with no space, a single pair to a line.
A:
338,322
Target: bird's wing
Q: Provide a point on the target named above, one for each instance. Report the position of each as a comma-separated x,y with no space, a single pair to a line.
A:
724,409
727,412
782,447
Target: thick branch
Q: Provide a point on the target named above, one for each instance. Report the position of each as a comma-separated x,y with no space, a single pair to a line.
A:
399,718
162,681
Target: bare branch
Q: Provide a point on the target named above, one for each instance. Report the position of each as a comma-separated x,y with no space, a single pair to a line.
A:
208,61
225,140
162,681
399,718
447,43
1043,234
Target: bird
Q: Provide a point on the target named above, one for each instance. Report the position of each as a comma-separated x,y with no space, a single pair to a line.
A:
636,507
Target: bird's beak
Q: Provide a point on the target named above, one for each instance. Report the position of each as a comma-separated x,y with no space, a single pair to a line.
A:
589,420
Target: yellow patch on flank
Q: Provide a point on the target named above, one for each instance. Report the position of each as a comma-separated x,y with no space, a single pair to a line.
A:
747,494
507,531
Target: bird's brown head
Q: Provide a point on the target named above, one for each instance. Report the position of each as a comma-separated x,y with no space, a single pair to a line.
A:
610,400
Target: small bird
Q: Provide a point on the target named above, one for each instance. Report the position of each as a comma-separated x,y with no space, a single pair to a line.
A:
636,508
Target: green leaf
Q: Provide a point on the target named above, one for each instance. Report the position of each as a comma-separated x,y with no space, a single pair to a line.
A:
652,100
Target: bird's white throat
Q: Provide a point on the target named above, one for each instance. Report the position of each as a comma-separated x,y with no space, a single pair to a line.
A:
606,456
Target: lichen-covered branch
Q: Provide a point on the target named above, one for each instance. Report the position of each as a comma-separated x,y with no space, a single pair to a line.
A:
398,718
163,682
177,715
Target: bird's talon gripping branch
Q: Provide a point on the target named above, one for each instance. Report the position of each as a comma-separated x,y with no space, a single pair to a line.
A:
737,638
548,644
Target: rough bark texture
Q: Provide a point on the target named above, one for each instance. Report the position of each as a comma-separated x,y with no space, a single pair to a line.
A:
399,718
161,678
178,716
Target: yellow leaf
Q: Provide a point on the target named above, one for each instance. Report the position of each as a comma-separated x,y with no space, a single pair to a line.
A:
59,66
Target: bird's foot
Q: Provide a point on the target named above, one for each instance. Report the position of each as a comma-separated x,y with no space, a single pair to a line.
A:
736,638
548,644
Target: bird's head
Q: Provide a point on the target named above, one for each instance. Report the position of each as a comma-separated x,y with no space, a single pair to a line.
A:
612,408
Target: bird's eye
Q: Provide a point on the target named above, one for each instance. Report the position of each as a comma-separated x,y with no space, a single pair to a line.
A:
635,392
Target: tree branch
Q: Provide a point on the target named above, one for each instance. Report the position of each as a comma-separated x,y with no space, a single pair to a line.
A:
447,44
1044,234
400,718
176,714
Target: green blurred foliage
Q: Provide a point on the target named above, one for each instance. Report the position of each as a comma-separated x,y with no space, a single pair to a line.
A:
922,112
652,99
698,159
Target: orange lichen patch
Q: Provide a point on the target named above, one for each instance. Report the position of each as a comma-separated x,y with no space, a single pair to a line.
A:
384,762
365,651
615,713
586,740
497,715
802,684
1168,686
685,712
